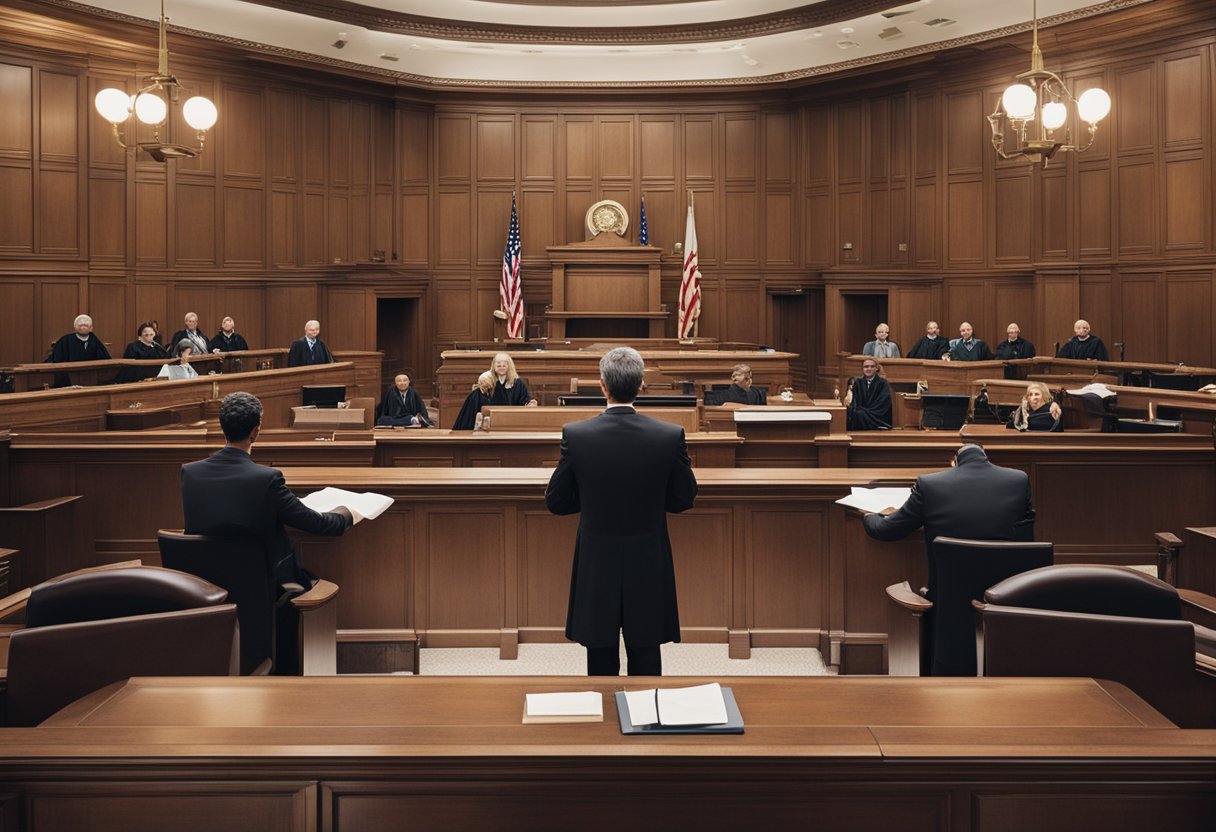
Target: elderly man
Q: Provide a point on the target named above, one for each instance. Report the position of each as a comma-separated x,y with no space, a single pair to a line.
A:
868,400
1083,346
623,471
190,332
310,349
932,346
741,389
228,339
968,347
881,346
1014,346
81,345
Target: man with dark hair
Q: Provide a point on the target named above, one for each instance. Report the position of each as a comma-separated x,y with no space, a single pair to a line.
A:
229,494
623,471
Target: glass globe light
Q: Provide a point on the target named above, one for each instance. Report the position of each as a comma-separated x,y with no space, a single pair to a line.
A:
1093,105
1054,115
1019,102
113,104
199,113
150,108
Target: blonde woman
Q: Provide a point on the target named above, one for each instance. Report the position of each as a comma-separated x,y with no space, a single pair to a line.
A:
1037,412
478,398
509,388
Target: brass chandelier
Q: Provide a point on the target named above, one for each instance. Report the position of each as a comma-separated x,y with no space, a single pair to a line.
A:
1041,96
149,107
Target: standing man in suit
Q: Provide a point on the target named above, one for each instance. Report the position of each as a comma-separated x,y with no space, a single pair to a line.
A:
228,493
623,471
310,349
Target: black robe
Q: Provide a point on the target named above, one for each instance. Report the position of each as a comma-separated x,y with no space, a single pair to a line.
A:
752,395
139,351
929,349
1091,349
1012,350
1038,420
871,407
466,419
398,412
71,348
517,394
229,343
979,351
301,356
181,334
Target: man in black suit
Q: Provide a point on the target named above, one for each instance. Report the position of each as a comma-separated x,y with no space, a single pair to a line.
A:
624,472
228,493
310,349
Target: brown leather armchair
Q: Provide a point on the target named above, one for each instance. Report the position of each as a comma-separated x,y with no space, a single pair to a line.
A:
85,631
288,630
936,636
1108,622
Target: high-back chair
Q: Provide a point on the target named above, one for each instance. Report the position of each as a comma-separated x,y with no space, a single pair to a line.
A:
86,631
1108,622
935,636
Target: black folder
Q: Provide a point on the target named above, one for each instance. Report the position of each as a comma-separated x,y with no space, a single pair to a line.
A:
733,724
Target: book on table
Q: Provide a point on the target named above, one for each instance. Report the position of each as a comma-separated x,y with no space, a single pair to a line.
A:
578,706
700,709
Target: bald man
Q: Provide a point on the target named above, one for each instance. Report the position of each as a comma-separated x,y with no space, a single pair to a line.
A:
1083,346
932,346
1014,346
310,349
968,347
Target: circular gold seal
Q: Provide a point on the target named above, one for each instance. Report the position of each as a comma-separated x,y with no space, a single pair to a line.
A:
607,215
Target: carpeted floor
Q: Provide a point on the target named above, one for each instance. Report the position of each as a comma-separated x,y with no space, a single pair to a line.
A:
570,660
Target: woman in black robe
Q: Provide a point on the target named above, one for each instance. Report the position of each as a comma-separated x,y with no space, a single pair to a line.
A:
1037,411
479,397
143,348
868,400
401,406
509,388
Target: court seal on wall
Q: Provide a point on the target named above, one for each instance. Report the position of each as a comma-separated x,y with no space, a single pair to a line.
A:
607,215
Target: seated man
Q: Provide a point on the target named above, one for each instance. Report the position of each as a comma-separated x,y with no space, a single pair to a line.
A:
1014,346
868,399
1083,346
741,390
968,347
228,493
932,346
881,346
310,349
81,345
401,406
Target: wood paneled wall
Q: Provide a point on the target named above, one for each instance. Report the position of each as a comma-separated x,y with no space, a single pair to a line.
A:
885,184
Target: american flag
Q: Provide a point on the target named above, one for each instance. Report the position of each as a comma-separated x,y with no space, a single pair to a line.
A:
510,290
690,282
643,229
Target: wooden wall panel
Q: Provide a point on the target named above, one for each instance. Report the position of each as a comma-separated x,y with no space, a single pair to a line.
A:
1093,208
244,125
493,216
742,227
740,147
314,154
17,322
454,313
195,224
910,308
152,304
16,209
1013,232
496,149
818,227
283,220
779,229
966,144
285,113
1014,305
849,143
16,91
58,212
1188,311
579,149
1059,304
349,318
1141,327
337,222
58,110
1136,200
1134,120
657,148
339,141
314,229
414,143
966,225
698,149
59,303
415,235
615,147
537,223
539,148
1188,203
244,234
1053,214
287,310
665,215
247,308
1185,107
454,234
924,222
150,221
1098,306
964,301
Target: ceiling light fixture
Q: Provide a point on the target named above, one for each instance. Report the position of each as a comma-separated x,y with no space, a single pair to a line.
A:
116,107
1042,95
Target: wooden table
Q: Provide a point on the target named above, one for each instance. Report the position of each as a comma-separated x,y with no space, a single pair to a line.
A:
832,753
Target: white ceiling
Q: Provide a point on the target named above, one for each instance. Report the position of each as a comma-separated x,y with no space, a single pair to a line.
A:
773,57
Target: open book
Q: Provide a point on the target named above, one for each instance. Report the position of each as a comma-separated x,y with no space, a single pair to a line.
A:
875,499
699,709
366,505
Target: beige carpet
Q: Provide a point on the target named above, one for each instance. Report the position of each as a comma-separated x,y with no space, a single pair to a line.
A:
571,660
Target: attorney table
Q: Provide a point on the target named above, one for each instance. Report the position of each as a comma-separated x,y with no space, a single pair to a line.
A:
450,753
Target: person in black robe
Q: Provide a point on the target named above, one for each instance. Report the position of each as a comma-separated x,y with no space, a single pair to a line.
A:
228,339
868,400
1014,346
968,347
1083,346
191,332
509,388
401,406
1037,411
143,348
310,349
932,346
469,417
80,345
741,389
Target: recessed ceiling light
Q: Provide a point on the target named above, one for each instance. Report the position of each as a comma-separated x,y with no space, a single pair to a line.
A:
816,34
846,43
847,30
891,33
749,60
393,58
939,22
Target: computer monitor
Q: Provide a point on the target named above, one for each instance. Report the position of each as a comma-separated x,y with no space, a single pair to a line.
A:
323,395
945,411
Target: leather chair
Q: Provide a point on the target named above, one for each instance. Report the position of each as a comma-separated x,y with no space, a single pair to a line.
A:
1107,622
89,630
935,636
285,630
369,406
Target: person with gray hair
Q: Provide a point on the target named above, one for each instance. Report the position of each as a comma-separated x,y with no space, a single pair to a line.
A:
310,349
182,369
229,494
80,345
741,390
622,472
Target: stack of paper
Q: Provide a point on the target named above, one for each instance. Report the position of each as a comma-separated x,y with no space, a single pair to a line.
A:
875,499
367,505
582,706
698,705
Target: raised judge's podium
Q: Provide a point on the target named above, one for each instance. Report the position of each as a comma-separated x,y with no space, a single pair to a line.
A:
605,287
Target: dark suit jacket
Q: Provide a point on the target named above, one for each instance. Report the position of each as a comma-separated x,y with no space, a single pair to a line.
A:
301,356
228,493
181,333
623,471
976,501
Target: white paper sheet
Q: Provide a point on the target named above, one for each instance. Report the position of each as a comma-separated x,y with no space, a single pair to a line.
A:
875,499
367,505
643,710
1097,388
579,703
698,705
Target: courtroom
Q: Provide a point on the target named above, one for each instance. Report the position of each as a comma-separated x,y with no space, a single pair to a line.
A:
837,376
